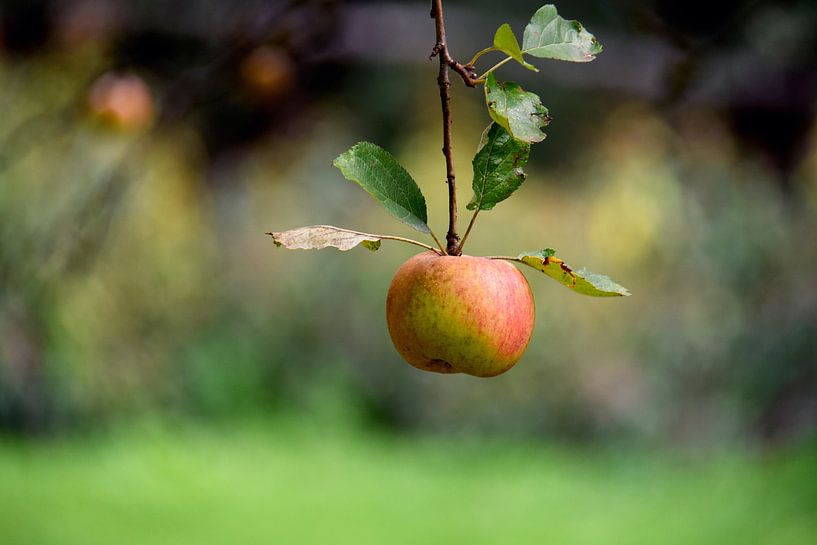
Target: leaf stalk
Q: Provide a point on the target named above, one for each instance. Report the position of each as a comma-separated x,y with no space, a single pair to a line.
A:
504,258
494,67
479,54
468,231
415,242
442,248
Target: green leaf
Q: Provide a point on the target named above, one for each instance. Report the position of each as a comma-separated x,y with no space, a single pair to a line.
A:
581,281
548,36
497,167
378,172
318,237
519,112
505,41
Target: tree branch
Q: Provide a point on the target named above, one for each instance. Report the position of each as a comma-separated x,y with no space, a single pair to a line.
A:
441,50
466,71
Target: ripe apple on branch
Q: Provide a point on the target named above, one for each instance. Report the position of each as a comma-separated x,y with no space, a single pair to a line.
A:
448,312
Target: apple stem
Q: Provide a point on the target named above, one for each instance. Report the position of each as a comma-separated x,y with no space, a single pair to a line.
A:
441,50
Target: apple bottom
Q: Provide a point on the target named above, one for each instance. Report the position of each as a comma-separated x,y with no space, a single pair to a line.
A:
460,314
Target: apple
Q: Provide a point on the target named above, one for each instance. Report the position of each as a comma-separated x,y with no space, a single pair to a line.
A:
268,74
460,314
121,101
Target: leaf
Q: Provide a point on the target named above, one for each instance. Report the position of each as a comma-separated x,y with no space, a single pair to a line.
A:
497,167
549,36
505,41
318,237
378,172
519,112
581,281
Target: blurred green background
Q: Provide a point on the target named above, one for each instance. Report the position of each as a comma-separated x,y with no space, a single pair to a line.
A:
168,376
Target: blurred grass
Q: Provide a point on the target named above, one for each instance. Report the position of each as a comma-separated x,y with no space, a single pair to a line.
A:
297,482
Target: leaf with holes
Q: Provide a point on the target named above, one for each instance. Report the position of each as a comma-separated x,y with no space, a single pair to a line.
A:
378,172
549,36
497,167
581,281
318,237
519,112
505,41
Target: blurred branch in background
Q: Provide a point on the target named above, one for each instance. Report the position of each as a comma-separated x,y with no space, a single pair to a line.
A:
146,147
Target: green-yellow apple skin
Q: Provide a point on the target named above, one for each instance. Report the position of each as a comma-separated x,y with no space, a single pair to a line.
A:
461,314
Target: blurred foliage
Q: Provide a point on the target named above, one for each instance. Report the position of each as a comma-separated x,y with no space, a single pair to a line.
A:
135,276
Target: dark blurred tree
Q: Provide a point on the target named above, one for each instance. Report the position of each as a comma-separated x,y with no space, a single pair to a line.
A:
25,26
